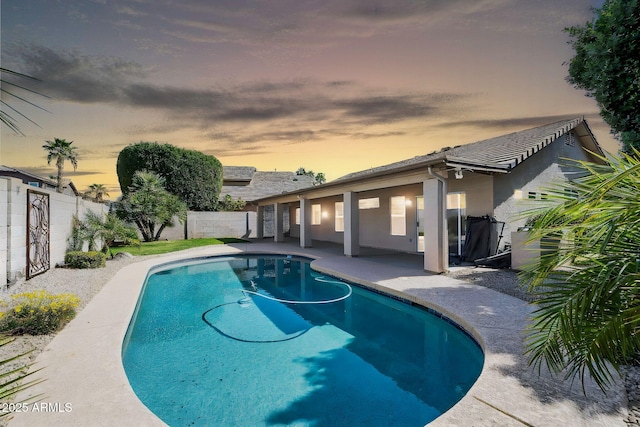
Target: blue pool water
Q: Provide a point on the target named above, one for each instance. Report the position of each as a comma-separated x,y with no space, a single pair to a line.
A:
211,343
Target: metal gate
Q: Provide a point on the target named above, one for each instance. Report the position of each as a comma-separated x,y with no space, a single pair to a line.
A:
38,237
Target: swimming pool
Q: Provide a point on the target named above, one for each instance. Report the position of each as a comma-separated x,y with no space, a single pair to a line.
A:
211,343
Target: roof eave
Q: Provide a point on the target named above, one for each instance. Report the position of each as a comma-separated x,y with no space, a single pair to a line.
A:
460,163
345,182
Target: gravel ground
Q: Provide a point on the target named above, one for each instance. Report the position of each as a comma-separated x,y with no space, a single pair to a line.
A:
87,283
506,281
83,283
503,280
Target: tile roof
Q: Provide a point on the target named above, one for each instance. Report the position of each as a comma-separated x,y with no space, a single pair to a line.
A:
238,173
501,153
265,184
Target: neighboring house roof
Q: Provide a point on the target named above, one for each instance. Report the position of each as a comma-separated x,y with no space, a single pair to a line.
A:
495,155
237,174
27,177
249,184
500,154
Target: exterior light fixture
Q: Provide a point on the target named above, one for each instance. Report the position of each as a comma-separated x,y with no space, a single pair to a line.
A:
459,174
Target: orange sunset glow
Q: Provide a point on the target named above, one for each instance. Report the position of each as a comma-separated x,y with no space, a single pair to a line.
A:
331,86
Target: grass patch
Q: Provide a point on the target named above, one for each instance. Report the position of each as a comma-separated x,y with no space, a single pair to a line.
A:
165,246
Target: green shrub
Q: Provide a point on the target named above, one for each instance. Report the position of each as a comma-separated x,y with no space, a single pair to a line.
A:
85,259
38,313
194,177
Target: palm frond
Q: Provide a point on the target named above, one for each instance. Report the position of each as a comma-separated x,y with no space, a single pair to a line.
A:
6,118
588,308
12,380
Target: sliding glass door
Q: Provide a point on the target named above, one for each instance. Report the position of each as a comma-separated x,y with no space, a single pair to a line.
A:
456,221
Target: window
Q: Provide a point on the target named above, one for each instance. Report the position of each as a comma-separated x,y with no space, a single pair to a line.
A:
372,203
297,216
316,214
398,216
339,220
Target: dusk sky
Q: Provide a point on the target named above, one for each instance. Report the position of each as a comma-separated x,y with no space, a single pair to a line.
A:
335,86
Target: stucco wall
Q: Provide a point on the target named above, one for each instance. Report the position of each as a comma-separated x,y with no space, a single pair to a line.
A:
325,231
533,175
478,189
13,225
375,224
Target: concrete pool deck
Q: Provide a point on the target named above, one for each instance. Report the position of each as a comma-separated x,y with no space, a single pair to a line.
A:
83,367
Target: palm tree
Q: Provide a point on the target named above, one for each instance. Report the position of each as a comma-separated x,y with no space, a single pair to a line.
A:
61,150
107,228
150,206
8,88
97,192
588,316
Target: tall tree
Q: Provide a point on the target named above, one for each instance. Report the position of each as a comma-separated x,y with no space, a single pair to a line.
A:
318,178
61,150
97,192
148,205
194,177
607,65
588,316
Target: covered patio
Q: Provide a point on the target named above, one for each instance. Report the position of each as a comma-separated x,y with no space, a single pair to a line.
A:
338,213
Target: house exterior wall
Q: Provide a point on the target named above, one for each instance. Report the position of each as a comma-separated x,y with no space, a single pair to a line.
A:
325,231
488,191
478,189
294,229
13,225
374,224
533,175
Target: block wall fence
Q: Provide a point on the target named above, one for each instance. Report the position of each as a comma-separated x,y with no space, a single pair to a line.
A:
13,225
62,208
242,225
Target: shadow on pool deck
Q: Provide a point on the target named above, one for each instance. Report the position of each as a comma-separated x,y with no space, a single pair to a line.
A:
508,383
84,367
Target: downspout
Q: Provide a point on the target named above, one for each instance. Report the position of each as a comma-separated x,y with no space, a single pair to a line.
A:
444,243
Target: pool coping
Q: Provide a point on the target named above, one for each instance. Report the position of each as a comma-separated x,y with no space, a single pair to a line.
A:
83,365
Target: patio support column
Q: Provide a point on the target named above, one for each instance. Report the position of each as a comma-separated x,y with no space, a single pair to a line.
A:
305,223
436,252
278,235
351,224
260,222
